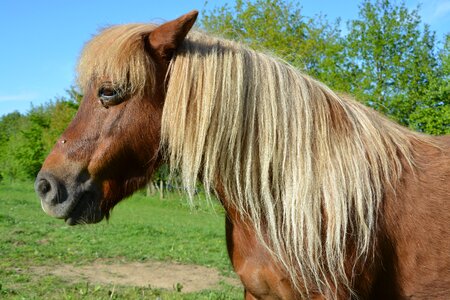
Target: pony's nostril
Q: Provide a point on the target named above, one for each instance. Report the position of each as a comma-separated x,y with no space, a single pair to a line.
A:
43,187
47,189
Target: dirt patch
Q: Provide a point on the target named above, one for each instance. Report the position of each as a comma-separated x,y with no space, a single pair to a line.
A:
154,274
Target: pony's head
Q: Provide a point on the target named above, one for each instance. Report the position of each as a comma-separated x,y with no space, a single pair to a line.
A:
111,147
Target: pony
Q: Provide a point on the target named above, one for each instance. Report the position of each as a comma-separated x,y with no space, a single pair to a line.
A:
324,197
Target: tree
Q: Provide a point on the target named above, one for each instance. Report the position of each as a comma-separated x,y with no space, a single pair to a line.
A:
432,114
10,125
27,139
388,59
393,60
61,113
311,44
30,152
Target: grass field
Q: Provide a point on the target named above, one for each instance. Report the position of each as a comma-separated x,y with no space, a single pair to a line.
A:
140,229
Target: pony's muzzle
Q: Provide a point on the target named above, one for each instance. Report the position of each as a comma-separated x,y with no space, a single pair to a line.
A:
77,200
52,194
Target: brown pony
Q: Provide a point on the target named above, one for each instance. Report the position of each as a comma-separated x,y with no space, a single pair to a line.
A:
325,198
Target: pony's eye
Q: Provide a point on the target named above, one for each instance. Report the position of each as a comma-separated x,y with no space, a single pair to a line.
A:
107,92
109,96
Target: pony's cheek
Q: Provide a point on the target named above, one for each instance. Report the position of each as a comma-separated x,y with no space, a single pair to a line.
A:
101,157
113,160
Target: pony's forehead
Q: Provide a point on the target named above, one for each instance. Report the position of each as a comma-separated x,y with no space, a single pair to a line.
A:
116,53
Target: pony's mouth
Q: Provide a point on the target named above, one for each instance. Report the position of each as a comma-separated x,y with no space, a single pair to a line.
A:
86,211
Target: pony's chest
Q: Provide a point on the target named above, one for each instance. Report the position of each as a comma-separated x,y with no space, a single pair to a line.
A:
260,275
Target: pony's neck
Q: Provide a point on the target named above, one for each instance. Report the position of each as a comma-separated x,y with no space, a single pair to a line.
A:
287,149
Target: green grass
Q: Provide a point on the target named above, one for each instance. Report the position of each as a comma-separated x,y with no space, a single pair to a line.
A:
140,228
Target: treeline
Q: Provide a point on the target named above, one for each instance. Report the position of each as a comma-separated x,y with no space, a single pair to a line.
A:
25,140
387,58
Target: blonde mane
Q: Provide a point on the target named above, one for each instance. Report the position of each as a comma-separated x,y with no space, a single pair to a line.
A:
307,167
118,55
288,152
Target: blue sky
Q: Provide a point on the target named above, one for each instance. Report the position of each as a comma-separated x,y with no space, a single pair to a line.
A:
41,39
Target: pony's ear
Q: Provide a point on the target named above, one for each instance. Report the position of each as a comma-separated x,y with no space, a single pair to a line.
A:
166,38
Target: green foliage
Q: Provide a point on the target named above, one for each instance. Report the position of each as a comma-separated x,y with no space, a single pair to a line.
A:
29,151
23,151
27,139
10,125
387,59
432,114
311,44
393,60
61,112
161,174
262,24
